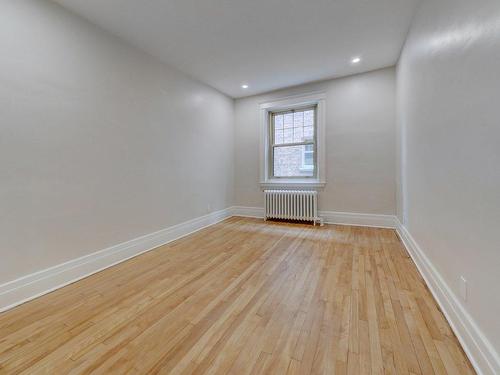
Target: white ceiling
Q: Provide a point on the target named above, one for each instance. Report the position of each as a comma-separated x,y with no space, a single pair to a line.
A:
268,44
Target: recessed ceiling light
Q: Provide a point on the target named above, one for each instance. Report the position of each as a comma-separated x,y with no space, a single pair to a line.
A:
356,60
244,86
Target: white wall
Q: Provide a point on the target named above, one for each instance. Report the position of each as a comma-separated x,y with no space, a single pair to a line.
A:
449,114
99,143
360,143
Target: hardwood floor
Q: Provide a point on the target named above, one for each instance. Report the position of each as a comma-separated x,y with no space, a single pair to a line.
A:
242,297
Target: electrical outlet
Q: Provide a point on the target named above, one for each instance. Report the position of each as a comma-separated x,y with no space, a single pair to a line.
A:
209,208
463,288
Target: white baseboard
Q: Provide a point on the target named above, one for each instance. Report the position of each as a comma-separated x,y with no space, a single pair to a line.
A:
363,220
257,212
480,351
26,288
331,217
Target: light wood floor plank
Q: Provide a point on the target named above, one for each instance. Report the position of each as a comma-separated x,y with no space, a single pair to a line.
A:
242,297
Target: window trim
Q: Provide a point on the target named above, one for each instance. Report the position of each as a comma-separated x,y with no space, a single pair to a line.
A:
293,102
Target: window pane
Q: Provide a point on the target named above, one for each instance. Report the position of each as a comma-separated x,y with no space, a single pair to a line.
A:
308,133
278,137
288,135
298,134
278,122
298,119
298,126
308,159
309,118
289,162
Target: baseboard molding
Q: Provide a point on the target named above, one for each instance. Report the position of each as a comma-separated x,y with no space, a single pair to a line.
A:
362,220
480,351
256,212
331,217
26,288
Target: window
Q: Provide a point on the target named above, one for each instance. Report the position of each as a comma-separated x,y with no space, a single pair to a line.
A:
292,143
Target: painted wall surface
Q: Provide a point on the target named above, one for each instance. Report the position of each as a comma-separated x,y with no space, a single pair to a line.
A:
449,114
360,143
99,143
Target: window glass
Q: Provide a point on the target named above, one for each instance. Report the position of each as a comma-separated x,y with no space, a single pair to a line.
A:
293,143
289,162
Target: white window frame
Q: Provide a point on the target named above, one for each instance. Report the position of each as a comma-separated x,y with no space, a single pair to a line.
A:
266,180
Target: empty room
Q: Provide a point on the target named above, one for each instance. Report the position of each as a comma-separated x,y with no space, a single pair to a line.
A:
250,187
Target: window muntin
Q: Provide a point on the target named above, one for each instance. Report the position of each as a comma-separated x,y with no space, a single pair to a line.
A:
293,143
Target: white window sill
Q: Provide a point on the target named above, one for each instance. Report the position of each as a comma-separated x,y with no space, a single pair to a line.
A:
293,184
